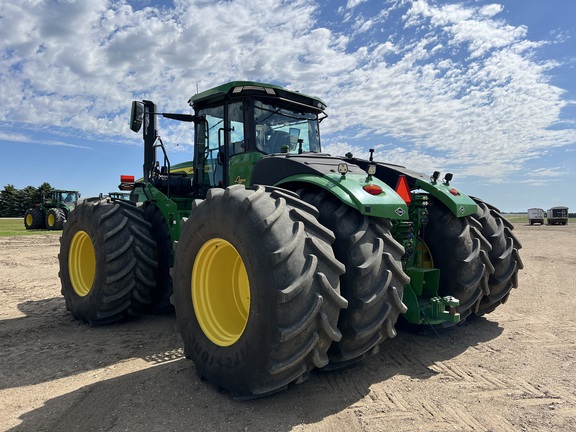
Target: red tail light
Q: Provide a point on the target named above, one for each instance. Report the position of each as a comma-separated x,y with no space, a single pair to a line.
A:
373,189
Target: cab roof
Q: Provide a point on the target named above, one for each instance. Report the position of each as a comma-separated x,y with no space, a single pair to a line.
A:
240,89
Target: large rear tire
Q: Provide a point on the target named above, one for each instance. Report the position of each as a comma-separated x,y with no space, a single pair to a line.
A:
256,289
55,219
34,219
373,282
460,251
504,256
107,261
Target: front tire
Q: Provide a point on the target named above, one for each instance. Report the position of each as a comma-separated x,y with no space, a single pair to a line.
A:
504,256
373,282
106,261
55,219
256,289
460,251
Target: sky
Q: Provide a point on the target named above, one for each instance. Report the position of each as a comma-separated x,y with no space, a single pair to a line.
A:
485,90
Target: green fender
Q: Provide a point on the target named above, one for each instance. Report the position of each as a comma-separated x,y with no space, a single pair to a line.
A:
457,202
167,207
349,189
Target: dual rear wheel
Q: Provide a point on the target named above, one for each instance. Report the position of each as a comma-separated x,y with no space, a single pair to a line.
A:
107,263
34,219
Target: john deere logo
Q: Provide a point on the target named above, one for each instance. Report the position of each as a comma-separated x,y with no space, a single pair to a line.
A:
400,211
240,180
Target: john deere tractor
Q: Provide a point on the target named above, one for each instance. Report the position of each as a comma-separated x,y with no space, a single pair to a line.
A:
278,258
53,211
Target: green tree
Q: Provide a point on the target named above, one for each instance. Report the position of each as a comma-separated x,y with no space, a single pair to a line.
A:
7,200
14,202
26,198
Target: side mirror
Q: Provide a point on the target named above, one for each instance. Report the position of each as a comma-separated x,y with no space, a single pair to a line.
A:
136,115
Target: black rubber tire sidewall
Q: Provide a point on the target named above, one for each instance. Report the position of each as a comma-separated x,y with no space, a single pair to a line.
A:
374,280
253,365
504,256
460,252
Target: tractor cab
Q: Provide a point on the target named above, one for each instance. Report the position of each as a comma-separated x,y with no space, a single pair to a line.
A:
241,122
63,198
236,125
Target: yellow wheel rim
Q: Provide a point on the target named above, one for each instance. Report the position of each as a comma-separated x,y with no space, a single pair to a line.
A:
424,256
29,220
220,292
81,263
51,220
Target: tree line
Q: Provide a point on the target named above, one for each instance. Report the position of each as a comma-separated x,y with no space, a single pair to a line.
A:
14,202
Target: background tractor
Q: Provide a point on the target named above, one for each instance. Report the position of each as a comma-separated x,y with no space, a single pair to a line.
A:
115,195
278,258
53,211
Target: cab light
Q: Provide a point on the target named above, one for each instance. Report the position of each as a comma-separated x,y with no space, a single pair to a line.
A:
373,189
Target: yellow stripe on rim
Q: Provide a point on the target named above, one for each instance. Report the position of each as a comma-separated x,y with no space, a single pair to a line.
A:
81,263
220,292
424,256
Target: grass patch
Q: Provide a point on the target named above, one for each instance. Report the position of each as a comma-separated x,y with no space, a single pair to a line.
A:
15,227
516,218
523,219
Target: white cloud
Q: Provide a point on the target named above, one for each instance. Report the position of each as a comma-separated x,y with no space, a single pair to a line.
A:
351,4
491,10
27,139
451,85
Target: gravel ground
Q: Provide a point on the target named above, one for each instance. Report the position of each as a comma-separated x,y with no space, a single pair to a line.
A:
512,370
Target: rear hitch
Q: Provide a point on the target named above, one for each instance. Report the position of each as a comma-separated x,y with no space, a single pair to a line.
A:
442,309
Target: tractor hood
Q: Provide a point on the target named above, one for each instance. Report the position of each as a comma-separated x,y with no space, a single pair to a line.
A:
272,169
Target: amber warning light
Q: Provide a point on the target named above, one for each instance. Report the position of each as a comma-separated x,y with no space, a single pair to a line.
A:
126,182
373,189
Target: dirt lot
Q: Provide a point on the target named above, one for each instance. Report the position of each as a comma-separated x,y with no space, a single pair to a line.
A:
514,370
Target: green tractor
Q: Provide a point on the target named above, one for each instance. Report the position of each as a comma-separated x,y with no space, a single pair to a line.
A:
278,258
53,211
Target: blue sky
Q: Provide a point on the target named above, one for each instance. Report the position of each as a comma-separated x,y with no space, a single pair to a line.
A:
482,89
